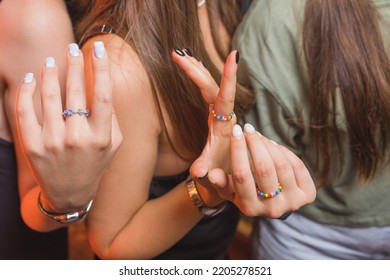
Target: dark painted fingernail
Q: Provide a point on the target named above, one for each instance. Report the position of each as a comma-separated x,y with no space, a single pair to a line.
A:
237,57
204,177
179,52
285,216
188,52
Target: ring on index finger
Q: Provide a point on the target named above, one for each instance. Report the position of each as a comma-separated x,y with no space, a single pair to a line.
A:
221,117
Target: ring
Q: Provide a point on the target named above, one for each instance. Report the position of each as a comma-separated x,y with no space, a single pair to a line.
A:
71,112
271,194
221,117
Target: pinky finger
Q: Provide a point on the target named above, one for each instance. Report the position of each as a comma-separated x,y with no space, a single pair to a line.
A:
302,175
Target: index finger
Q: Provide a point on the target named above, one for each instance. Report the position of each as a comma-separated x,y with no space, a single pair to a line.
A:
224,103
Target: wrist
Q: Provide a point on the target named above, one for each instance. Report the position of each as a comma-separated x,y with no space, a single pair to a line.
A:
64,217
208,194
218,205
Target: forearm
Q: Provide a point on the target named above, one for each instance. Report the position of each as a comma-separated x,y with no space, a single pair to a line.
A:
156,226
32,216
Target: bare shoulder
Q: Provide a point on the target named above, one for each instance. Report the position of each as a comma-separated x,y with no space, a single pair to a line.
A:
127,71
25,20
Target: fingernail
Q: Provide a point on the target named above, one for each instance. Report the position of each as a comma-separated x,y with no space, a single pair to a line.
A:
204,177
249,128
188,52
73,49
50,62
237,131
98,47
179,52
28,78
237,57
273,142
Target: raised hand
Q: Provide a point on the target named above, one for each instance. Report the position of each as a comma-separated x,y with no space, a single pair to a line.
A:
72,146
269,181
221,117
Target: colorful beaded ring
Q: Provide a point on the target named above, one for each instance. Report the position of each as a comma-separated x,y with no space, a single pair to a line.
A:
71,112
271,194
221,117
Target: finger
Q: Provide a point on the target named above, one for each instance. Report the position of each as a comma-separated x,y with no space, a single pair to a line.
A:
28,125
198,74
242,177
263,163
52,119
199,168
224,103
220,181
303,178
102,117
75,86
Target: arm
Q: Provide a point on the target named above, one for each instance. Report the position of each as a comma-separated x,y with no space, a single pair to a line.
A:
49,160
123,223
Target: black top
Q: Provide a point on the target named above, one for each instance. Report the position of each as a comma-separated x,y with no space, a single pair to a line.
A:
209,238
17,241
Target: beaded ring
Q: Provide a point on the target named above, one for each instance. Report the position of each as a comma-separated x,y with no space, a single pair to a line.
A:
71,112
271,194
221,117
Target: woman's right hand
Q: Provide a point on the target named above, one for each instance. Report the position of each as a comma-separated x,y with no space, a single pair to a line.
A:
69,154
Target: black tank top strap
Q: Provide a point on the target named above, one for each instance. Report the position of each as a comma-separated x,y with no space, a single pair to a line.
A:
94,31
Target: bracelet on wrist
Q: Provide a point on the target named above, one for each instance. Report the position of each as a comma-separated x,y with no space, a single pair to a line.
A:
65,218
198,202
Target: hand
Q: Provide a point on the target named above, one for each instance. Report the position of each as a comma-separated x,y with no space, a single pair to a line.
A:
268,166
238,178
215,154
68,155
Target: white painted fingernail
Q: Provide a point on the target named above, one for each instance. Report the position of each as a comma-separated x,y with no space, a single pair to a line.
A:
73,49
237,131
50,62
249,128
28,78
99,49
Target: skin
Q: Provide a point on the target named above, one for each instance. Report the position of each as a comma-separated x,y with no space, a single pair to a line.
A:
49,161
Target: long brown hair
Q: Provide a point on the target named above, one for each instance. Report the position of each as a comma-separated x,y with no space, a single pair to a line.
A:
228,13
154,28
347,61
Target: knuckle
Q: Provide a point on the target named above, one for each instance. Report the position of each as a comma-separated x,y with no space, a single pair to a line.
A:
52,146
264,170
73,141
101,143
76,89
282,164
103,96
239,177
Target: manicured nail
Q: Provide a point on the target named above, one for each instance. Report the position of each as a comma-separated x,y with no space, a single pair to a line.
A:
179,52
98,47
188,52
249,128
50,62
73,49
28,78
237,57
204,177
237,131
